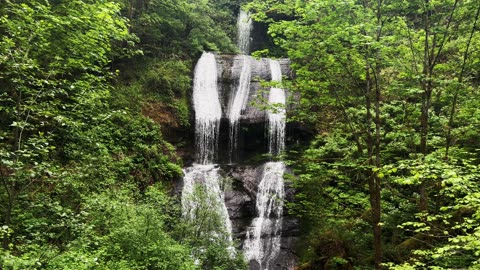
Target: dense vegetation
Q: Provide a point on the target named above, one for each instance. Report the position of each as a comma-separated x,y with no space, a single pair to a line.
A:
390,89
86,179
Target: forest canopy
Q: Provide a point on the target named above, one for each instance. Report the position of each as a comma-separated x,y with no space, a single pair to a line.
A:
391,87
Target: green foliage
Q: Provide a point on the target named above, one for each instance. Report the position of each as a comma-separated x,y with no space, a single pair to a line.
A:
112,230
331,200
411,58
155,80
167,79
181,27
452,224
49,89
204,231
80,168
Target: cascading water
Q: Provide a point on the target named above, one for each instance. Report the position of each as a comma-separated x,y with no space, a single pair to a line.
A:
262,244
202,196
276,115
207,108
239,102
244,26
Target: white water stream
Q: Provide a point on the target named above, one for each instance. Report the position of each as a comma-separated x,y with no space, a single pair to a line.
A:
263,237
203,196
276,115
239,102
244,27
207,108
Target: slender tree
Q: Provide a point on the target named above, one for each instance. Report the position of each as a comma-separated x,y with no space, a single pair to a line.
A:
466,57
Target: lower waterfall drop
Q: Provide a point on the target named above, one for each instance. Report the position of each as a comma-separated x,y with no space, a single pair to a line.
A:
202,194
262,244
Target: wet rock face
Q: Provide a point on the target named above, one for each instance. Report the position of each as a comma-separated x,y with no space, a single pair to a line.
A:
251,139
240,199
245,174
229,69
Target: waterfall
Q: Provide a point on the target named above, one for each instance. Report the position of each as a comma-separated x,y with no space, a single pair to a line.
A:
203,201
239,102
276,115
244,26
202,197
207,108
262,243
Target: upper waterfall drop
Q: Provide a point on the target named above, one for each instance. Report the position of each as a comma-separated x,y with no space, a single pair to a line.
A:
276,115
244,26
207,108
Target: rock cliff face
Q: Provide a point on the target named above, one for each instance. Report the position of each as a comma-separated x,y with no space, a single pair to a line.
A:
240,200
251,138
246,172
229,69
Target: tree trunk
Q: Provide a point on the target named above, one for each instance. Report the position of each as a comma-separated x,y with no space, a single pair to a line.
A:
375,180
426,99
449,137
374,162
8,208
